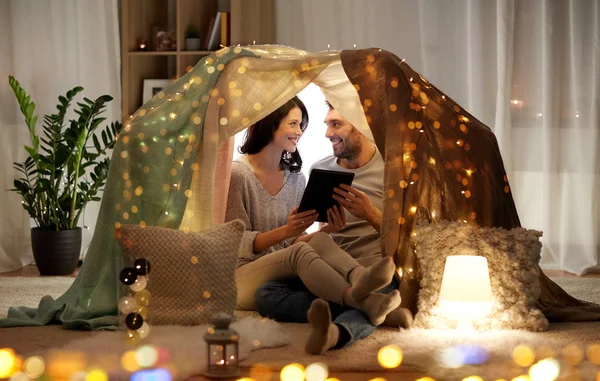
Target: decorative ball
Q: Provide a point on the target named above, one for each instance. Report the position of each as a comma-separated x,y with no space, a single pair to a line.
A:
128,276
127,305
143,298
139,284
134,321
142,311
142,266
144,330
132,337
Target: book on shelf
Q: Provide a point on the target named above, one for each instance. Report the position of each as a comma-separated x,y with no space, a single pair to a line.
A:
218,31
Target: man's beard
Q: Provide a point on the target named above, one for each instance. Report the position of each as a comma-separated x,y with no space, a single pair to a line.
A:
349,151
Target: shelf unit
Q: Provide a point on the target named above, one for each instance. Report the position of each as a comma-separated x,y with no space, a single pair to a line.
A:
250,20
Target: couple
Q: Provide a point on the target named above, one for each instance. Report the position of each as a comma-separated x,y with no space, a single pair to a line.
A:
336,278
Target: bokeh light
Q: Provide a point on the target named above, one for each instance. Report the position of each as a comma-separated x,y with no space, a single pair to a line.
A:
96,374
425,379
472,378
523,355
593,353
152,375
547,369
316,372
261,372
292,372
521,378
146,356
573,354
129,361
62,365
19,376
389,356
7,361
34,367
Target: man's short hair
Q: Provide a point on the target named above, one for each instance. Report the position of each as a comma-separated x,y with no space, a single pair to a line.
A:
329,105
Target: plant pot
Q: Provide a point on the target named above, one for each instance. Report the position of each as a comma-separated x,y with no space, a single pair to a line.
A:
56,252
192,44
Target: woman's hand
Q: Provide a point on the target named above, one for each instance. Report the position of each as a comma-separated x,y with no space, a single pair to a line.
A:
336,219
299,222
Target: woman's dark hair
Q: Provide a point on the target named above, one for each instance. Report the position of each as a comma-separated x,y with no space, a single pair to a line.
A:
261,133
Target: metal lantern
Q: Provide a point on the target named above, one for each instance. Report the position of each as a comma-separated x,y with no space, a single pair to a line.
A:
222,349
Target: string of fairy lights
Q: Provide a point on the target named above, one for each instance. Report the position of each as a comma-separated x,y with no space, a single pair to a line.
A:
147,361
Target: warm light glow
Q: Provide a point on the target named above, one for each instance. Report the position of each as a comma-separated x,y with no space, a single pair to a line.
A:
316,372
34,367
473,378
573,354
96,375
7,361
390,356
521,378
466,290
129,361
545,370
292,372
523,355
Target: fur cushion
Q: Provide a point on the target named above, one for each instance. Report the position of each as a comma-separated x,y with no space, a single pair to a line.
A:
192,275
513,257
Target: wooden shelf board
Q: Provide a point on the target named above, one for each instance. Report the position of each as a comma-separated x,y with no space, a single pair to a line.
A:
153,53
195,52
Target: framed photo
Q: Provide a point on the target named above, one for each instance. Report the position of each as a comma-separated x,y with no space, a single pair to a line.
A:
153,87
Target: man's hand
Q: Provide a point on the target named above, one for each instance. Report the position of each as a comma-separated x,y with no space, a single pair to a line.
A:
299,222
336,219
358,204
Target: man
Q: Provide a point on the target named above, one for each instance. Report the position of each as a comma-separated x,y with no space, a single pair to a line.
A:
335,326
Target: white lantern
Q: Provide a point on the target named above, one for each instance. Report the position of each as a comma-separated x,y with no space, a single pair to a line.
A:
222,349
466,292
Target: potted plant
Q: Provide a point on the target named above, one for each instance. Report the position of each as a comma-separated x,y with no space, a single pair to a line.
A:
66,167
192,39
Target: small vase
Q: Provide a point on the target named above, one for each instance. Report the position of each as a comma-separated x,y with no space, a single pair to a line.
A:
56,252
192,44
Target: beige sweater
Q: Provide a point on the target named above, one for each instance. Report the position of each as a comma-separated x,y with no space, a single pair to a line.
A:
260,211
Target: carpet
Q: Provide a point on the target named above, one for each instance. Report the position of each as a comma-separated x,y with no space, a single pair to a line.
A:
423,351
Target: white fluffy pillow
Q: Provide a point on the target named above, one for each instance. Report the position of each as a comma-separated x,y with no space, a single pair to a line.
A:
513,257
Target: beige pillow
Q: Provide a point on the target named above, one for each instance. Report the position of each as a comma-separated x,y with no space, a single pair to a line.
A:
192,275
513,257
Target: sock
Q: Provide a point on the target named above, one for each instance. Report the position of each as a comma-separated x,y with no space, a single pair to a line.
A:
324,334
399,317
372,279
376,306
356,273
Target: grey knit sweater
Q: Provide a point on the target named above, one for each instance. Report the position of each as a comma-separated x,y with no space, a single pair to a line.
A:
260,211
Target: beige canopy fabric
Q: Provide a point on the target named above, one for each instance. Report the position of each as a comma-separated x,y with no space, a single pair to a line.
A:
172,162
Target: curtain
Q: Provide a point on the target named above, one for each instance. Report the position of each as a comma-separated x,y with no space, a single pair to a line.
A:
530,70
50,47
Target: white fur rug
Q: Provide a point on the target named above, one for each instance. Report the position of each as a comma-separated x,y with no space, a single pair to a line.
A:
185,346
423,350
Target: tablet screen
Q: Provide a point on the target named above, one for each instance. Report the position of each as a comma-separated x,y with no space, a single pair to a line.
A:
319,191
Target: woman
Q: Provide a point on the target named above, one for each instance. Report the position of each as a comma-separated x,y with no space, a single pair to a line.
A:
266,184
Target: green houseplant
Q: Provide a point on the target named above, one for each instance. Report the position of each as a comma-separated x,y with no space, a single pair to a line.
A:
66,167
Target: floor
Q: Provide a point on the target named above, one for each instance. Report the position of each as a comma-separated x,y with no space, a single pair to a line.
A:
31,271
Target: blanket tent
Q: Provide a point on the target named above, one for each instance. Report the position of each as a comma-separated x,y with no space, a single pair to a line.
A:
171,163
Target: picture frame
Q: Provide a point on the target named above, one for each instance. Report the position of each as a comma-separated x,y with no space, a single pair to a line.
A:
152,87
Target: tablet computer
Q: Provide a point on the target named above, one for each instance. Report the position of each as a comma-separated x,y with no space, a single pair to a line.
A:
319,191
